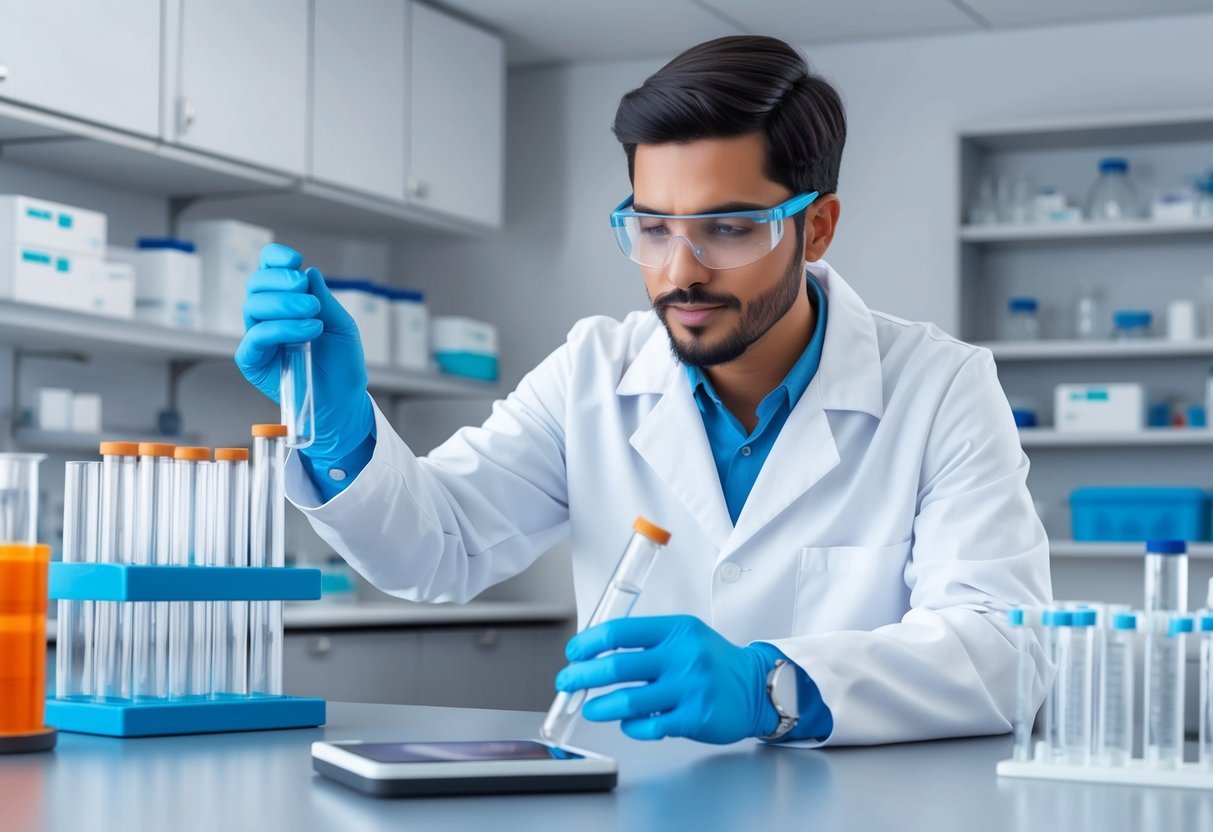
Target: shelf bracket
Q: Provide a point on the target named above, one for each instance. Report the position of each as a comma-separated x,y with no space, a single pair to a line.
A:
177,368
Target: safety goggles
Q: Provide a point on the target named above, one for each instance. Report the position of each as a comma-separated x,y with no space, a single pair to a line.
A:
718,241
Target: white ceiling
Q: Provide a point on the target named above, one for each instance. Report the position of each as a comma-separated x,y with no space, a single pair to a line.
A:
568,31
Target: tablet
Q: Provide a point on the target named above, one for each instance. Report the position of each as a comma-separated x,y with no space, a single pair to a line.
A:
408,769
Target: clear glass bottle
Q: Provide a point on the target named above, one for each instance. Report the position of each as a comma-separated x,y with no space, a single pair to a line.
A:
1113,196
983,210
1023,323
1166,576
1089,321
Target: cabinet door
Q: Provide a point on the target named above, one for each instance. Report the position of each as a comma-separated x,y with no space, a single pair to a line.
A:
457,118
94,61
490,667
242,88
352,666
359,73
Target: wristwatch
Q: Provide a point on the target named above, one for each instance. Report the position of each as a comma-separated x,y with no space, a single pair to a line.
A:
781,689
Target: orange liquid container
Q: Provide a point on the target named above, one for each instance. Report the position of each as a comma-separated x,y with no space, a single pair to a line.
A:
23,597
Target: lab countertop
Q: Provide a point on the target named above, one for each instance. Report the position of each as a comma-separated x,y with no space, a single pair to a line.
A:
385,614
264,781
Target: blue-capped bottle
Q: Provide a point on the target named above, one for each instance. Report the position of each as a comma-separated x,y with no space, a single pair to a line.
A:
1113,198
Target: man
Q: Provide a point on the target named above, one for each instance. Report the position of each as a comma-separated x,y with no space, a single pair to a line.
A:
846,490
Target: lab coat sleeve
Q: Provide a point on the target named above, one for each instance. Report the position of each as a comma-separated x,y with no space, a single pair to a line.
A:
477,510
947,668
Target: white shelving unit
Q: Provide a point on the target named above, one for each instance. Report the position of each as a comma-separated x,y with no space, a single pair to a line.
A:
1154,437
1129,551
1072,350
1077,232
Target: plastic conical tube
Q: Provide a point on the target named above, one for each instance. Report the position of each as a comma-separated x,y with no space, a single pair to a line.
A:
295,395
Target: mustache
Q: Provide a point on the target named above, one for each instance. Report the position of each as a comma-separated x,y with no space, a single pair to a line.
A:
682,297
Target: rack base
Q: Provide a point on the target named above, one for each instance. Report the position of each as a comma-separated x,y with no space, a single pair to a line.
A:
1133,773
185,716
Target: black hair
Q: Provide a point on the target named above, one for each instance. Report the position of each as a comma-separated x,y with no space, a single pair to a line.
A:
736,85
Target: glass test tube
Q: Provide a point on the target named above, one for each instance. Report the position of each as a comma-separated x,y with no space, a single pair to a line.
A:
23,601
154,515
230,640
1075,688
74,666
1025,673
1164,688
1116,686
295,395
1166,576
267,547
1056,642
1206,690
115,624
617,601
189,672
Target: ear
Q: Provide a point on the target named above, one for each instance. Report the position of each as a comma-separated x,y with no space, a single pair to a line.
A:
821,219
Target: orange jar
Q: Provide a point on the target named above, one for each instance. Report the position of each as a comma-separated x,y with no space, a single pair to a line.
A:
23,596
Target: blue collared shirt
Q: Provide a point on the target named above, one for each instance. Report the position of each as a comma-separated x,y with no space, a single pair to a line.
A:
740,455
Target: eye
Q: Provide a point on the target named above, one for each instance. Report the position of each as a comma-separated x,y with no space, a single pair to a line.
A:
726,230
653,229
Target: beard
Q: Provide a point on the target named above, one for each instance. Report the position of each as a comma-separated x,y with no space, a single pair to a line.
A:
756,320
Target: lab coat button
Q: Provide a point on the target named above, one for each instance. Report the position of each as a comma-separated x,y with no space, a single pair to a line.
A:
730,572
745,450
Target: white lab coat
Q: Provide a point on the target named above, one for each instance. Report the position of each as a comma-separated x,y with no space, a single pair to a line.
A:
887,533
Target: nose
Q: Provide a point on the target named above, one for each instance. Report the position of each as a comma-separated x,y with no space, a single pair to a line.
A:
682,267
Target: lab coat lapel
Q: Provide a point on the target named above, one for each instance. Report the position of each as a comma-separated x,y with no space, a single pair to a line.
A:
671,437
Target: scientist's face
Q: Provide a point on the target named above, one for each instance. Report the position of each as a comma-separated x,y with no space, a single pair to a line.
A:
713,316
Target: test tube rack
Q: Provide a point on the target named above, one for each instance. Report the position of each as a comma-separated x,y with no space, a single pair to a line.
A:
1134,772
194,715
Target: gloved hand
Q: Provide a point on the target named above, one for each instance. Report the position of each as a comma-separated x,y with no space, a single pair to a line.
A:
699,684
288,306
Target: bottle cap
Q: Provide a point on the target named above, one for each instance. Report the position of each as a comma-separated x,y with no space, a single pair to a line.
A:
1206,622
1023,304
1166,547
1082,618
1056,618
193,454
231,454
119,448
1114,164
1015,617
1179,624
652,531
271,431
156,449
1124,621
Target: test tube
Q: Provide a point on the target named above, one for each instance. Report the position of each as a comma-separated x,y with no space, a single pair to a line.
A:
295,395
115,623
189,672
1166,576
1056,624
23,594
1075,687
154,518
617,601
1164,689
1025,674
74,668
230,640
1206,690
267,547
1116,685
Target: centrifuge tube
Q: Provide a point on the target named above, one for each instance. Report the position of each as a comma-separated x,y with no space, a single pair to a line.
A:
295,395
230,635
267,547
1164,688
1206,690
1117,690
1166,576
115,623
154,515
1025,675
1056,642
74,667
1074,686
617,601
189,674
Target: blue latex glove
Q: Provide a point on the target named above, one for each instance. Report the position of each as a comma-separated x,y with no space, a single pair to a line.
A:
288,306
699,684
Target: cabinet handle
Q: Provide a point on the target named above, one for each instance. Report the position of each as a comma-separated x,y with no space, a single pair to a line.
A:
187,114
3,72
416,187
487,638
320,646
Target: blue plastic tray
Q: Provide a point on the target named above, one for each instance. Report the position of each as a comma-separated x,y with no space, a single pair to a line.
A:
121,582
186,716
1139,513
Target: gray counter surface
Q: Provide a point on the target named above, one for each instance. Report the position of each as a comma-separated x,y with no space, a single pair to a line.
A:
264,781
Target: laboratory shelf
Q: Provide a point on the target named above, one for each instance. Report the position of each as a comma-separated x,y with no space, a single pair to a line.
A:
1078,232
34,439
43,327
1059,131
1153,437
1116,550
1072,350
409,614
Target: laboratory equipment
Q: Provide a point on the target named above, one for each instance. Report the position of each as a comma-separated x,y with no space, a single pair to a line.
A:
618,598
1166,576
1025,675
1055,623
267,547
1088,314
1163,711
1117,690
115,622
1113,196
1075,687
1181,320
1099,408
75,670
983,210
369,304
230,641
168,281
153,518
229,251
23,579
1205,737
187,676
295,395
1131,324
1023,323
465,347
1108,513
410,329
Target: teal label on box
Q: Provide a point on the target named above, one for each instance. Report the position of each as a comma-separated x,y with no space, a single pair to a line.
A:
36,257
65,220
63,264
37,214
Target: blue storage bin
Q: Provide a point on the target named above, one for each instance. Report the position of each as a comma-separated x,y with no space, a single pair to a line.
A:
1139,513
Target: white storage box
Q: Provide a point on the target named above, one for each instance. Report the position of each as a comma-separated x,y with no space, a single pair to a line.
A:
465,347
113,291
86,412
1110,408
54,409
370,308
39,222
168,283
47,277
410,329
230,251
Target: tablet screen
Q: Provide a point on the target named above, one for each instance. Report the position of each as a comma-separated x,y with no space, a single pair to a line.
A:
459,752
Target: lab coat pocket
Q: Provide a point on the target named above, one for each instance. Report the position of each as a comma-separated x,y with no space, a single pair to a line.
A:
850,588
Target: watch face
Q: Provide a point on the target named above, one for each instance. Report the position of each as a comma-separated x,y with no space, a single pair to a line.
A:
785,691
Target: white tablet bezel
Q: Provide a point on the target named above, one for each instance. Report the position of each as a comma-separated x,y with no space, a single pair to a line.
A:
335,753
